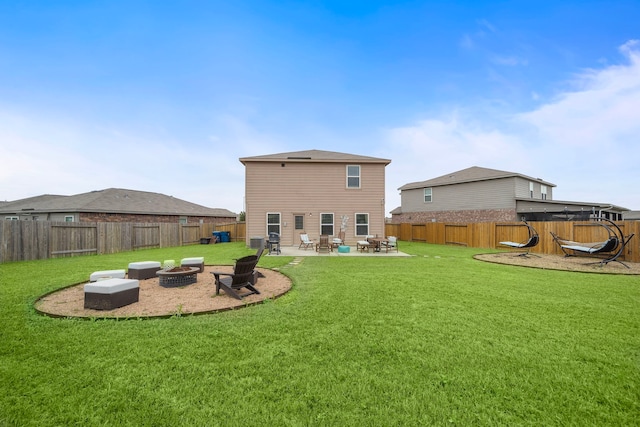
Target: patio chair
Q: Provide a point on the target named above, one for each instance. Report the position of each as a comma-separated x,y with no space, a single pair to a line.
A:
338,241
243,276
305,242
532,241
609,249
324,245
362,245
391,243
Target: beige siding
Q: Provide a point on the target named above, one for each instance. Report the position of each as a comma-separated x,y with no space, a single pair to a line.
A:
310,189
490,194
523,189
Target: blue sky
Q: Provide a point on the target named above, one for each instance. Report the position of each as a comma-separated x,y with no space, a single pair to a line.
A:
167,96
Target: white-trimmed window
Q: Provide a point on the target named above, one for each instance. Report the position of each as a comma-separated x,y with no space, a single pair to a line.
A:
182,220
428,195
273,222
326,224
362,224
543,192
353,176
531,190
68,218
12,218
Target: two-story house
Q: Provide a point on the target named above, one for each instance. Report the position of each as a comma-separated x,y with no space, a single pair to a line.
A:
314,192
479,194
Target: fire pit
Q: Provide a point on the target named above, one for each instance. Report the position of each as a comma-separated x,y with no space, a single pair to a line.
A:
178,276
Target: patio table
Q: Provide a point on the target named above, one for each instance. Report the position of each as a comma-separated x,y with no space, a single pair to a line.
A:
377,242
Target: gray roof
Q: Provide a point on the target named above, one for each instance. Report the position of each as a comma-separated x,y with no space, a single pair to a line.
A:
114,200
557,204
471,174
314,156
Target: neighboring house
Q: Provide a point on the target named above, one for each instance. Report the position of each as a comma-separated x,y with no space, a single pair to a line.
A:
487,195
113,205
631,215
315,192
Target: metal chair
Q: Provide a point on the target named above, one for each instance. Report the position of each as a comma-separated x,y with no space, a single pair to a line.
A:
609,249
532,241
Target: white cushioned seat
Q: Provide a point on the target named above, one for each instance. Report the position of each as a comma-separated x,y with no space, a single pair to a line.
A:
106,274
143,269
144,264
111,286
362,245
193,262
111,293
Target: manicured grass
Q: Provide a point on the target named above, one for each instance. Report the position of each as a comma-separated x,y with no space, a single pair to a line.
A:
435,339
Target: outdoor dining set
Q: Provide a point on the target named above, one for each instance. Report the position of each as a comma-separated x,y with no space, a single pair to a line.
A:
328,244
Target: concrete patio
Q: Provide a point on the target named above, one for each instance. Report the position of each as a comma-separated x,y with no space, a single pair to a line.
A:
296,251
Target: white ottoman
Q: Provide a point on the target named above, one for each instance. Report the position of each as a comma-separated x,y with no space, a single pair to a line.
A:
106,274
111,293
193,262
143,270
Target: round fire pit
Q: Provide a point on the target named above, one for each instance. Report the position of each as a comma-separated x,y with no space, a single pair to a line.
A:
178,276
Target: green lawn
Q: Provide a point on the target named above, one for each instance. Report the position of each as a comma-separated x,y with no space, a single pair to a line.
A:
435,339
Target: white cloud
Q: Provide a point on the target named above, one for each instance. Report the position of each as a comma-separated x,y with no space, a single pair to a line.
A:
510,61
585,140
483,23
604,112
63,157
466,42
435,147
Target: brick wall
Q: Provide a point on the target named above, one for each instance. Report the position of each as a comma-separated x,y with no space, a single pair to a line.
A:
467,216
115,217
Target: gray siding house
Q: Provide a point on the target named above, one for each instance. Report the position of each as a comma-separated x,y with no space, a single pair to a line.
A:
479,194
314,192
113,205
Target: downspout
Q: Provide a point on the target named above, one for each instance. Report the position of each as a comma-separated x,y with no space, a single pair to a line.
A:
601,209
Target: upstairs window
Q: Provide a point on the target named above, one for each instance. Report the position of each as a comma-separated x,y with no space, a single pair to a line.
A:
531,190
428,195
543,192
353,176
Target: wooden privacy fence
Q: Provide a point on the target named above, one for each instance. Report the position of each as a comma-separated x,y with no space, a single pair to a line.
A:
30,240
489,234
